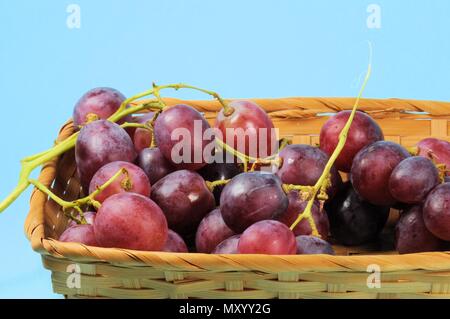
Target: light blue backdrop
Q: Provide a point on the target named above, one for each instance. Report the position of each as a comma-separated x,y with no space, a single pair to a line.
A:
239,48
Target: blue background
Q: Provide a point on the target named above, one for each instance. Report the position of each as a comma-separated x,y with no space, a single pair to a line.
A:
240,49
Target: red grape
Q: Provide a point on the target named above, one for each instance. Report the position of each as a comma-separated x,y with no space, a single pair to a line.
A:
142,137
99,143
154,164
211,232
436,150
88,216
98,103
83,234
354,221
252,122
131,221
304,164
179,134
371,170
175,243
134,181
252,197
268,237
413,179
436,211
228,246
184,198
296,207
311,245
411,234
363,132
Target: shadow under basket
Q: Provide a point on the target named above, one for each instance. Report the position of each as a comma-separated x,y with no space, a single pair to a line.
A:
121,273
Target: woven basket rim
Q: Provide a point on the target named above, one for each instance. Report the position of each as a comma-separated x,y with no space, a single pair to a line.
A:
310,107
35,223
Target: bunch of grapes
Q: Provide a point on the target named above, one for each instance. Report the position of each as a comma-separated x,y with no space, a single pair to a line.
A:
150,188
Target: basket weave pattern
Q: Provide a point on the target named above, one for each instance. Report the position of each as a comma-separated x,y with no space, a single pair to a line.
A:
120,273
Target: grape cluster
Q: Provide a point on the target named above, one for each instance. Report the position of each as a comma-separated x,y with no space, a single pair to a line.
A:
149,188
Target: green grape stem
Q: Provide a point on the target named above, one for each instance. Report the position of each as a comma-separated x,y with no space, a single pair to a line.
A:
299,188
324,178
135,125
151,124
88,200
245,159
212,185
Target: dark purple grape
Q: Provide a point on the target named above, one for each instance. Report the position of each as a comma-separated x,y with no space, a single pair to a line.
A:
219,172
99,143
363,132
228,246
372,168
436,211
296,207
134,180
354,221
175,243
154,164
411,234
211,232
184,198
83,234
179,133
130,221
268,237
311,245
304,164
401,206
96,104
252,197
413,179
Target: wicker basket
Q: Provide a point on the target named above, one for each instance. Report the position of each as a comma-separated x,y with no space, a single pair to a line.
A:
120,273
